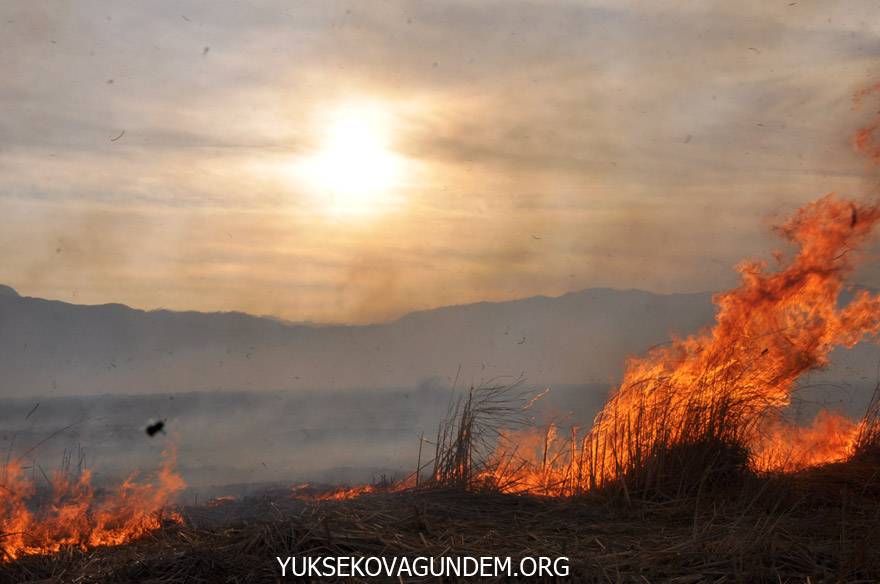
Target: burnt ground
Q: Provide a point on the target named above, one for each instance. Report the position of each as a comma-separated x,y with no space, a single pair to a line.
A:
815,528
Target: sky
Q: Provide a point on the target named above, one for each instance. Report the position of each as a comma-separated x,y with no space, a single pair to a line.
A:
352,161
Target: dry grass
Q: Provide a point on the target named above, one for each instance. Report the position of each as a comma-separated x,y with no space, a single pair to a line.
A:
819,525
768,531
867,443
476,451
690,512
470,433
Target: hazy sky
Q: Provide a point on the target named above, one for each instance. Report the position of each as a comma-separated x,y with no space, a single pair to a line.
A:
538,147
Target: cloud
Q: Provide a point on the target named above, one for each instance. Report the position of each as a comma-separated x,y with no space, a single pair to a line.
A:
646,145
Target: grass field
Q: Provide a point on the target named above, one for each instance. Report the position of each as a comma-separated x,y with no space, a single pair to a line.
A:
818,526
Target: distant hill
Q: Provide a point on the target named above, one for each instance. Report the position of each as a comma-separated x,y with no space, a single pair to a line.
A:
320,388
57,348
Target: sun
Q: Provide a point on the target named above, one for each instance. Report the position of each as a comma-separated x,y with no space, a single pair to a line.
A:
354,170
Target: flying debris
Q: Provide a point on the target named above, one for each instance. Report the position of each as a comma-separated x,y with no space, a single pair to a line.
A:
155,428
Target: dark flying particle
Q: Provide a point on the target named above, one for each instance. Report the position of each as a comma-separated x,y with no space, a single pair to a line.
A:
855,217
33,409
121,134
155,428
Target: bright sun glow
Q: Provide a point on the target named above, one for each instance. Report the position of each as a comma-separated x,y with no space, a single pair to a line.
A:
355,171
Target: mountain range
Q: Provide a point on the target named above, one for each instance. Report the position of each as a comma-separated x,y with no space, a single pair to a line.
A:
48,347
53,348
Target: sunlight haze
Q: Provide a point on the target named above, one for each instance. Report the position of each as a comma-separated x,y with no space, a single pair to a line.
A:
344,162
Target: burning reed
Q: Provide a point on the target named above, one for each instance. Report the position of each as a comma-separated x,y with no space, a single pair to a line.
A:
72,514
709,408
703,410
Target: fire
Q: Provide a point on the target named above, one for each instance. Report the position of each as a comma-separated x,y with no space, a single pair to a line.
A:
346,493
720,393
75,516
220,501
726,388
728,383
830,438
310,492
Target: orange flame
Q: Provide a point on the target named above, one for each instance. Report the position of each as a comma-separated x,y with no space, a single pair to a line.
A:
830,438
346,493
724,383
221,501
730,383
310,492
75,516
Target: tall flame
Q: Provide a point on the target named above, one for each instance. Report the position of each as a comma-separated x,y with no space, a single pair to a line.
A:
75,516
724,389
728,385
728,382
